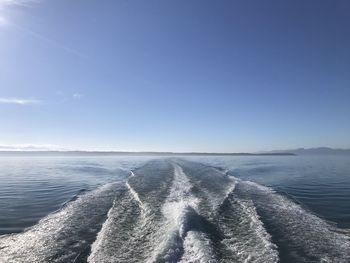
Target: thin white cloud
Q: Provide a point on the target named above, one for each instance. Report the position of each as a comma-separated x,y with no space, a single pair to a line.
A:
19,101
4,3
77,96
32,147
7,4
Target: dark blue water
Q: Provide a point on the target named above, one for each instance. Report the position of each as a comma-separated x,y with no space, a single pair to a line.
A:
194,209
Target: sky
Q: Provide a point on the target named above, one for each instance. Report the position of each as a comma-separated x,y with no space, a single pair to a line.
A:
174,75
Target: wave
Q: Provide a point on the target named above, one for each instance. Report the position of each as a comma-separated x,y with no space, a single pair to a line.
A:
64,235
210,185
198,248
233,229
246,239
135,196
301,236
120,237
177,210
130,232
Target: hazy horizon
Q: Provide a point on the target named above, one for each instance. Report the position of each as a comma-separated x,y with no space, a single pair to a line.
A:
50,148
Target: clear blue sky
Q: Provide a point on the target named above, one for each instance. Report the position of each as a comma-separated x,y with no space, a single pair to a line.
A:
175,75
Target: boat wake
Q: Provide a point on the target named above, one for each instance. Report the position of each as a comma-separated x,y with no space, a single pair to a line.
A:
173,210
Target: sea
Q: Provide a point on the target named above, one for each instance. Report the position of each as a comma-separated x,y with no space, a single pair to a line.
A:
175,209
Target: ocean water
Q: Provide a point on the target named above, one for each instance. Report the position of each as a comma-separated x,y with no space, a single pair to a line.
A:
179,209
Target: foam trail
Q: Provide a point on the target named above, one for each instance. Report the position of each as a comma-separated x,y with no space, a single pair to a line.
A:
133,192
212,186
99,239
301,235
129,233
135,196
177,204
63,236
113,243
179,200
180,213
246,239
198,248
239,235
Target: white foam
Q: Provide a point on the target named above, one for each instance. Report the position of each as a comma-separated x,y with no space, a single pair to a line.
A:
304,231
198,249
57,237
245,235
98,243
135,195
144,210
124,236
178,203
179,199
213,186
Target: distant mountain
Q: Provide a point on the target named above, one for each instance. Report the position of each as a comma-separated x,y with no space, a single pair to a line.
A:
300,151
317,151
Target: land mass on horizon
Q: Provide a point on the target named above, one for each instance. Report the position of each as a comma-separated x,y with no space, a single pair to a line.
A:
136,153
299,151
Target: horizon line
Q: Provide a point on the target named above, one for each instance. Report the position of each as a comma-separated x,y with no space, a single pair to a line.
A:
87,152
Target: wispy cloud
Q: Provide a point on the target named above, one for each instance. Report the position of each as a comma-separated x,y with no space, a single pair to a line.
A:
7,4
77,96
19,101
68,96
31,147
4,3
